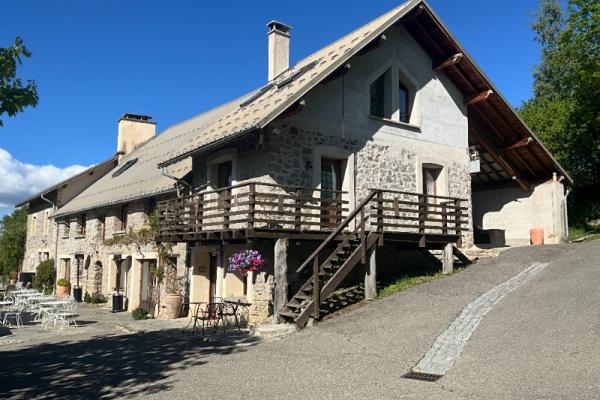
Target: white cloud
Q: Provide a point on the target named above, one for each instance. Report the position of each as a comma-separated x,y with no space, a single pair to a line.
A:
19,181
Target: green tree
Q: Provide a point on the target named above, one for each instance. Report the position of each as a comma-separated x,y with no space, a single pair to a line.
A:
13,231
15,96
565,110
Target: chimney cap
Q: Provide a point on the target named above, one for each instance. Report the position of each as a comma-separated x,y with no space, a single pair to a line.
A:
280,27
137,118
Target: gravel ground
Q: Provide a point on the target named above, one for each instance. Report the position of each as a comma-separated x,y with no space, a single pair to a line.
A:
540,341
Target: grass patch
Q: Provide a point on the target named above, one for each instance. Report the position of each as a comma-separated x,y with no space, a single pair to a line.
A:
590,232
407,281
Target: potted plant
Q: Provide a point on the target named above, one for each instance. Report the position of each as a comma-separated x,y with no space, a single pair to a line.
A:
62,288
245,261
174,298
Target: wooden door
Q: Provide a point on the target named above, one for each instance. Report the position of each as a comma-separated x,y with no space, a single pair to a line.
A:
212,278
331,186
146,285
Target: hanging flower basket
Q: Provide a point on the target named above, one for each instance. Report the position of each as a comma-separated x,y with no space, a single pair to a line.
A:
245,261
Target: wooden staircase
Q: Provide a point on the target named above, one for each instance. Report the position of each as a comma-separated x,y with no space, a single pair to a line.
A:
329,274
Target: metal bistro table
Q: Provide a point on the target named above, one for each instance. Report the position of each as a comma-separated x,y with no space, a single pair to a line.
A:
233,309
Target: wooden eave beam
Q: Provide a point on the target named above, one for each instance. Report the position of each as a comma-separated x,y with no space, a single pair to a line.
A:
478,98
454,59
501,160
519,144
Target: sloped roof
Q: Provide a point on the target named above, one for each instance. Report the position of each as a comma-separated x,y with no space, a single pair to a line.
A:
89,171
270,101
143,178
289,86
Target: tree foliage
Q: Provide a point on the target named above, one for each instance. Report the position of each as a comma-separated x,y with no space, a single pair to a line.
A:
565,110
15,95
44,276
13,230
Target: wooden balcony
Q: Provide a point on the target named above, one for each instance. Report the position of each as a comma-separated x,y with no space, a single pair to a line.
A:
264,210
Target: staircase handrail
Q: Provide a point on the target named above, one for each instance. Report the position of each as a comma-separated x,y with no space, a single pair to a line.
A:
338,229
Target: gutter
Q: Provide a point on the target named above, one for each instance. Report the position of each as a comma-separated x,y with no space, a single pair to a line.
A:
54,208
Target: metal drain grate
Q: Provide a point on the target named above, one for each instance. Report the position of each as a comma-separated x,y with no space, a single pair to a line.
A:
422,376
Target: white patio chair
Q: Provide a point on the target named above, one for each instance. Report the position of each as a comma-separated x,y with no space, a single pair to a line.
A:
15,313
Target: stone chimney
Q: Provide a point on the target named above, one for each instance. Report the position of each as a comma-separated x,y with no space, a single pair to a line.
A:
279,48
134,130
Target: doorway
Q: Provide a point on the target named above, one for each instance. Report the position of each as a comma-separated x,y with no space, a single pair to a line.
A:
212,278
147,285
331,186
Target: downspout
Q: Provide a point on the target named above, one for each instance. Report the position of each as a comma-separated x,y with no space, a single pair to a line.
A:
54,207
566,214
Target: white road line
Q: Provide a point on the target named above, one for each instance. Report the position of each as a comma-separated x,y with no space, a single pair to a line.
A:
449,345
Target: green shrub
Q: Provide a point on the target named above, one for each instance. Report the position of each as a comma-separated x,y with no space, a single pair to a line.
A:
94,298
62,282
44,276
139,313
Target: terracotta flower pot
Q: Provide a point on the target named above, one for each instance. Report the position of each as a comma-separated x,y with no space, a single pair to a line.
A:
536,236
173,306
62,291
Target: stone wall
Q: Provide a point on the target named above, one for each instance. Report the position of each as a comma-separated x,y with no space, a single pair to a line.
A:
262,301
98,255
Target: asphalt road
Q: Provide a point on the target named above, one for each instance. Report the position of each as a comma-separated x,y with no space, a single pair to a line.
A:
541,341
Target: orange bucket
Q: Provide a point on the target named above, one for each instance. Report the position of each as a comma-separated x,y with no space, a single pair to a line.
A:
536,236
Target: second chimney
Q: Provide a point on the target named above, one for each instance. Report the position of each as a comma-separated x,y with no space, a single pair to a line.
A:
134,130
279,48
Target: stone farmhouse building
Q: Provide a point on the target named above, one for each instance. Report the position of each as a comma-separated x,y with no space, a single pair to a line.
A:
387,141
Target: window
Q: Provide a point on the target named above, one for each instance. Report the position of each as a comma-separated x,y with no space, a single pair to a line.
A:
224,174
66,228
102,222
46,222
124,217
430,180
392,96
33,224
81,224
403,102
125,167
378,97
151,206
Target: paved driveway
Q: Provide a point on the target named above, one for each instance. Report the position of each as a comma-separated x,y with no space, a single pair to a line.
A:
540,341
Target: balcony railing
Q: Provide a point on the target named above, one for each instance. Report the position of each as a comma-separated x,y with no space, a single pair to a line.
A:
258,206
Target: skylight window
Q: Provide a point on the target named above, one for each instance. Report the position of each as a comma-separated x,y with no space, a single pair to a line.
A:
125,167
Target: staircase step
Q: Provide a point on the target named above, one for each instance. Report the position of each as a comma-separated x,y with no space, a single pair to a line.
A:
294,304
302,296
288,314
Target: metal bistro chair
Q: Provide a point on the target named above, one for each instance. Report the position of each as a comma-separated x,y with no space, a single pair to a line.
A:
209,315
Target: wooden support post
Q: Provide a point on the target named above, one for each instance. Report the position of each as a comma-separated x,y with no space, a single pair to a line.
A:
281,282
316,290
251,202
448,259
298,210
380,220
371,275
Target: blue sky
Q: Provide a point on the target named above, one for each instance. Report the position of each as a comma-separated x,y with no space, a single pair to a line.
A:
93,61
